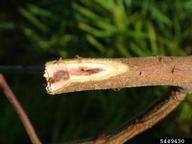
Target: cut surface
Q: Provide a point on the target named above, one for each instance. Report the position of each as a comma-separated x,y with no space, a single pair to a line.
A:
60,74
84,71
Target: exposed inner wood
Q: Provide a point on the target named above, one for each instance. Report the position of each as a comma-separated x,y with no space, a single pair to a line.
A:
62,73
79,71
58,76
94,74
84,71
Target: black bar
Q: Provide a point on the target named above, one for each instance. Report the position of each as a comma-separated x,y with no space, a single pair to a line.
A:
21,69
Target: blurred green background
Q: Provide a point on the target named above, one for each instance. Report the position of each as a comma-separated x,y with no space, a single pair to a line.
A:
33,32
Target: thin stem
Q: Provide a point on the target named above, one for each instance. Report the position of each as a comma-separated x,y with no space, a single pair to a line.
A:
150,117
18,108
92,74
156,112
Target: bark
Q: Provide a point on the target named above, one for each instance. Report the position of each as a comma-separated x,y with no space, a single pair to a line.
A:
92,74
150,117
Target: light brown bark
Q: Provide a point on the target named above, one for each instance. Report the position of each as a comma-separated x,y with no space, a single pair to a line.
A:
121,73
149,71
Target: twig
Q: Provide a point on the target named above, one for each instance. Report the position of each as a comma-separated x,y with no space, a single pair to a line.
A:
92,74
18,108
150,117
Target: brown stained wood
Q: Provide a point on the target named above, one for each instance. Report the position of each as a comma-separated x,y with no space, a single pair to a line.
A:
58,76
84,71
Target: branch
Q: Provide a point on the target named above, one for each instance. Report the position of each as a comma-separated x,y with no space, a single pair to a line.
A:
18,108
92,74
150,117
